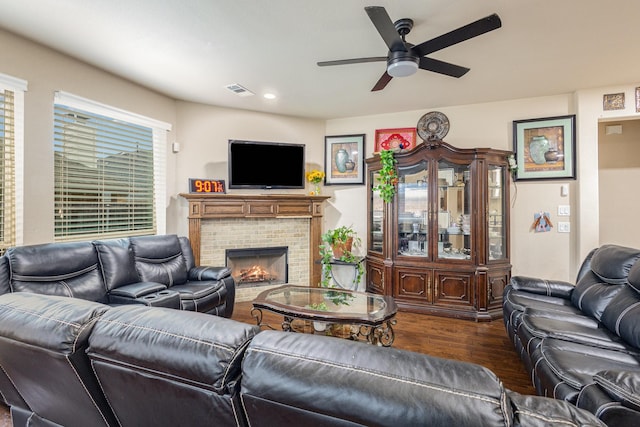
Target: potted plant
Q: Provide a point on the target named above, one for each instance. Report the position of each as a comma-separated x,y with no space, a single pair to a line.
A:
388,178
338,244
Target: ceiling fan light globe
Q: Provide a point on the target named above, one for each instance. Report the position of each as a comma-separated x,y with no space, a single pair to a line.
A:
402,68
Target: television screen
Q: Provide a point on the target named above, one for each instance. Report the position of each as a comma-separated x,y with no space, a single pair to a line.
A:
267,165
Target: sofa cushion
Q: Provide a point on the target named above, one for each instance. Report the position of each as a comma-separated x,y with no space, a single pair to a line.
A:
116,262
576,364
64,269
322,379
592,295
159,259
623,386
612,263
43,339
184,366
622,316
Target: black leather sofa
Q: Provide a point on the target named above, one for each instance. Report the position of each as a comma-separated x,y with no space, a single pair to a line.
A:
581,342
70,362
151,270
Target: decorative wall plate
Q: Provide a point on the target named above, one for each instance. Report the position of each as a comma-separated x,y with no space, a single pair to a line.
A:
433,126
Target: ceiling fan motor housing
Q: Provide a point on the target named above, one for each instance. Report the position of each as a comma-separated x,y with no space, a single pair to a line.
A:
402,64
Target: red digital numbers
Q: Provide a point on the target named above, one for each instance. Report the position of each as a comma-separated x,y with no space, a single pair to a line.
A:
206,186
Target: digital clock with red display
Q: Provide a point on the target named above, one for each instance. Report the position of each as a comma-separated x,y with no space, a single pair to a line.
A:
206,186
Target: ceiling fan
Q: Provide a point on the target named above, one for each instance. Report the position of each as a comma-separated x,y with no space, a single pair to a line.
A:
404,58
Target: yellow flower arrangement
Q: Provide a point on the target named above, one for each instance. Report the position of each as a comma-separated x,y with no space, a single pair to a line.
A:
315,176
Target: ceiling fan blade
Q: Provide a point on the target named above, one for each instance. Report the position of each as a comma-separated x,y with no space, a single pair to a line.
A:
385,27
442,67
481,26
382,82
352,61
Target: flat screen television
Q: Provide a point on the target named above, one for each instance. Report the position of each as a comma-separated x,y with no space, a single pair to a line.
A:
265,165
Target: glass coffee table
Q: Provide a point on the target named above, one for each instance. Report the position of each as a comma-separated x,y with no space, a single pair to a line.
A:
334,311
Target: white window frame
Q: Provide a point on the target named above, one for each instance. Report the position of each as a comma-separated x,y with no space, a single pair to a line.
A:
160,130
18,87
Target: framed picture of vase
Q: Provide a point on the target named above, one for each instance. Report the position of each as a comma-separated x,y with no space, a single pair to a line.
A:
344,159
545,148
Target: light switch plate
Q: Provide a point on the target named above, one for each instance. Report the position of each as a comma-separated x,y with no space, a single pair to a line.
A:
564,210
564,227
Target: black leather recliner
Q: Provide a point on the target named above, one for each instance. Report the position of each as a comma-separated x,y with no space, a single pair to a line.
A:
582,343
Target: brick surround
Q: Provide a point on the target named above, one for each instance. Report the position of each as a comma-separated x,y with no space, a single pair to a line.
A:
237,233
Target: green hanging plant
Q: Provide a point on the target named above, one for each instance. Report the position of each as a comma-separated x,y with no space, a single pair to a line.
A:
388,178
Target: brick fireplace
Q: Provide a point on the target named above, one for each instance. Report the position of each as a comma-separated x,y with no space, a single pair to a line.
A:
227,221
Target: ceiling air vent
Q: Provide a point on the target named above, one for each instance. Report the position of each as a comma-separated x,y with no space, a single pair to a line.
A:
239,90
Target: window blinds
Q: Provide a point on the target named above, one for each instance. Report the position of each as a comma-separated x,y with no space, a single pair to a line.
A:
11,159
109,171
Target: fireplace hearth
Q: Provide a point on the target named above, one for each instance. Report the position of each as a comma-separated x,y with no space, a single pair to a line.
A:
258,266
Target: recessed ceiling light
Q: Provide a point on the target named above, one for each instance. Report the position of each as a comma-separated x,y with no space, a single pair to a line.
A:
269,96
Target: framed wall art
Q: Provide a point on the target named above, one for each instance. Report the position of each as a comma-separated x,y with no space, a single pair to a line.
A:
613,101
545,148
344,159
395,139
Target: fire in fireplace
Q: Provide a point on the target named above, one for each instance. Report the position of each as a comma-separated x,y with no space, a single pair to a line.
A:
258,266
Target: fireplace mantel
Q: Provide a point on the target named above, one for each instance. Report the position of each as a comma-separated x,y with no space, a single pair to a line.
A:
211,206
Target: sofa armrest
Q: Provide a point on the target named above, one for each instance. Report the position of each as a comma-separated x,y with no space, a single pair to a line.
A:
209,273
554,288
136,290
622,386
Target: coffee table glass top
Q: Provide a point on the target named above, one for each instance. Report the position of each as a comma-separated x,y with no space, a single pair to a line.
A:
327,304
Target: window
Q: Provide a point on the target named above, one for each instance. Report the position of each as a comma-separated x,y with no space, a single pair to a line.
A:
11,160
109,171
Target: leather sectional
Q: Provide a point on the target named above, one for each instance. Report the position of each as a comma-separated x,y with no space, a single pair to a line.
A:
150,270
72,362
581,342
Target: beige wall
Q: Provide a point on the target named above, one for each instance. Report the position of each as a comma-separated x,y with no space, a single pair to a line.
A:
619,169
203,132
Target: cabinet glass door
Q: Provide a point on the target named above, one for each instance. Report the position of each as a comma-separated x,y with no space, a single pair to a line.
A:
496,212
413,209
454,211
377,214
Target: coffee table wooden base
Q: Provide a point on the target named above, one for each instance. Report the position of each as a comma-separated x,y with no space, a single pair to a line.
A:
382,334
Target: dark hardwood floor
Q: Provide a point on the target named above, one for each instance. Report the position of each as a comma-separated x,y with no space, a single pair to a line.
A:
483,343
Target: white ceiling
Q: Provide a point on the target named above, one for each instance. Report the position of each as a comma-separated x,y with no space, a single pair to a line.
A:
191,49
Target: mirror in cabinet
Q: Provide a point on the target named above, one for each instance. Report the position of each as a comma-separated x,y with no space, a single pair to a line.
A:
376,223
413,209
496,221
454,210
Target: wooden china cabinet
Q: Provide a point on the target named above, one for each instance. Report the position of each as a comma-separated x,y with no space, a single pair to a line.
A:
441,246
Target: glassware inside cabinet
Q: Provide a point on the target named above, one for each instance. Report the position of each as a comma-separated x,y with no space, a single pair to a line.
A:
413,209
454,208
497,209
377,215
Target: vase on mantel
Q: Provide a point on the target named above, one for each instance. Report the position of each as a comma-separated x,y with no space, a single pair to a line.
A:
317,189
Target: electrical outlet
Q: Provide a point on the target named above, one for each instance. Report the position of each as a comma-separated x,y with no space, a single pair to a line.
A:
564,210
564,227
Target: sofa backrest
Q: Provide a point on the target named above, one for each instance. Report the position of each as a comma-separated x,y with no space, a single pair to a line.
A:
318,380
116,262
43,340
622,315
177,367
66,269
159,259
607,277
